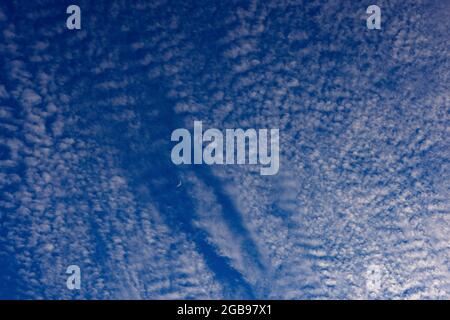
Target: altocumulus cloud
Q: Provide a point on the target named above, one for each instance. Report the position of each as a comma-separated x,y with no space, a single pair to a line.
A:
85,170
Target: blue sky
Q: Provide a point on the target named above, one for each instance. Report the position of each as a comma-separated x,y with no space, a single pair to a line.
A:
85,170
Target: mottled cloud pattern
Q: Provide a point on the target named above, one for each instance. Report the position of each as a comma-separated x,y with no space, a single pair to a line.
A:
85,171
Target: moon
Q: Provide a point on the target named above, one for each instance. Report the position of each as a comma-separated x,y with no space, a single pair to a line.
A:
179,184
